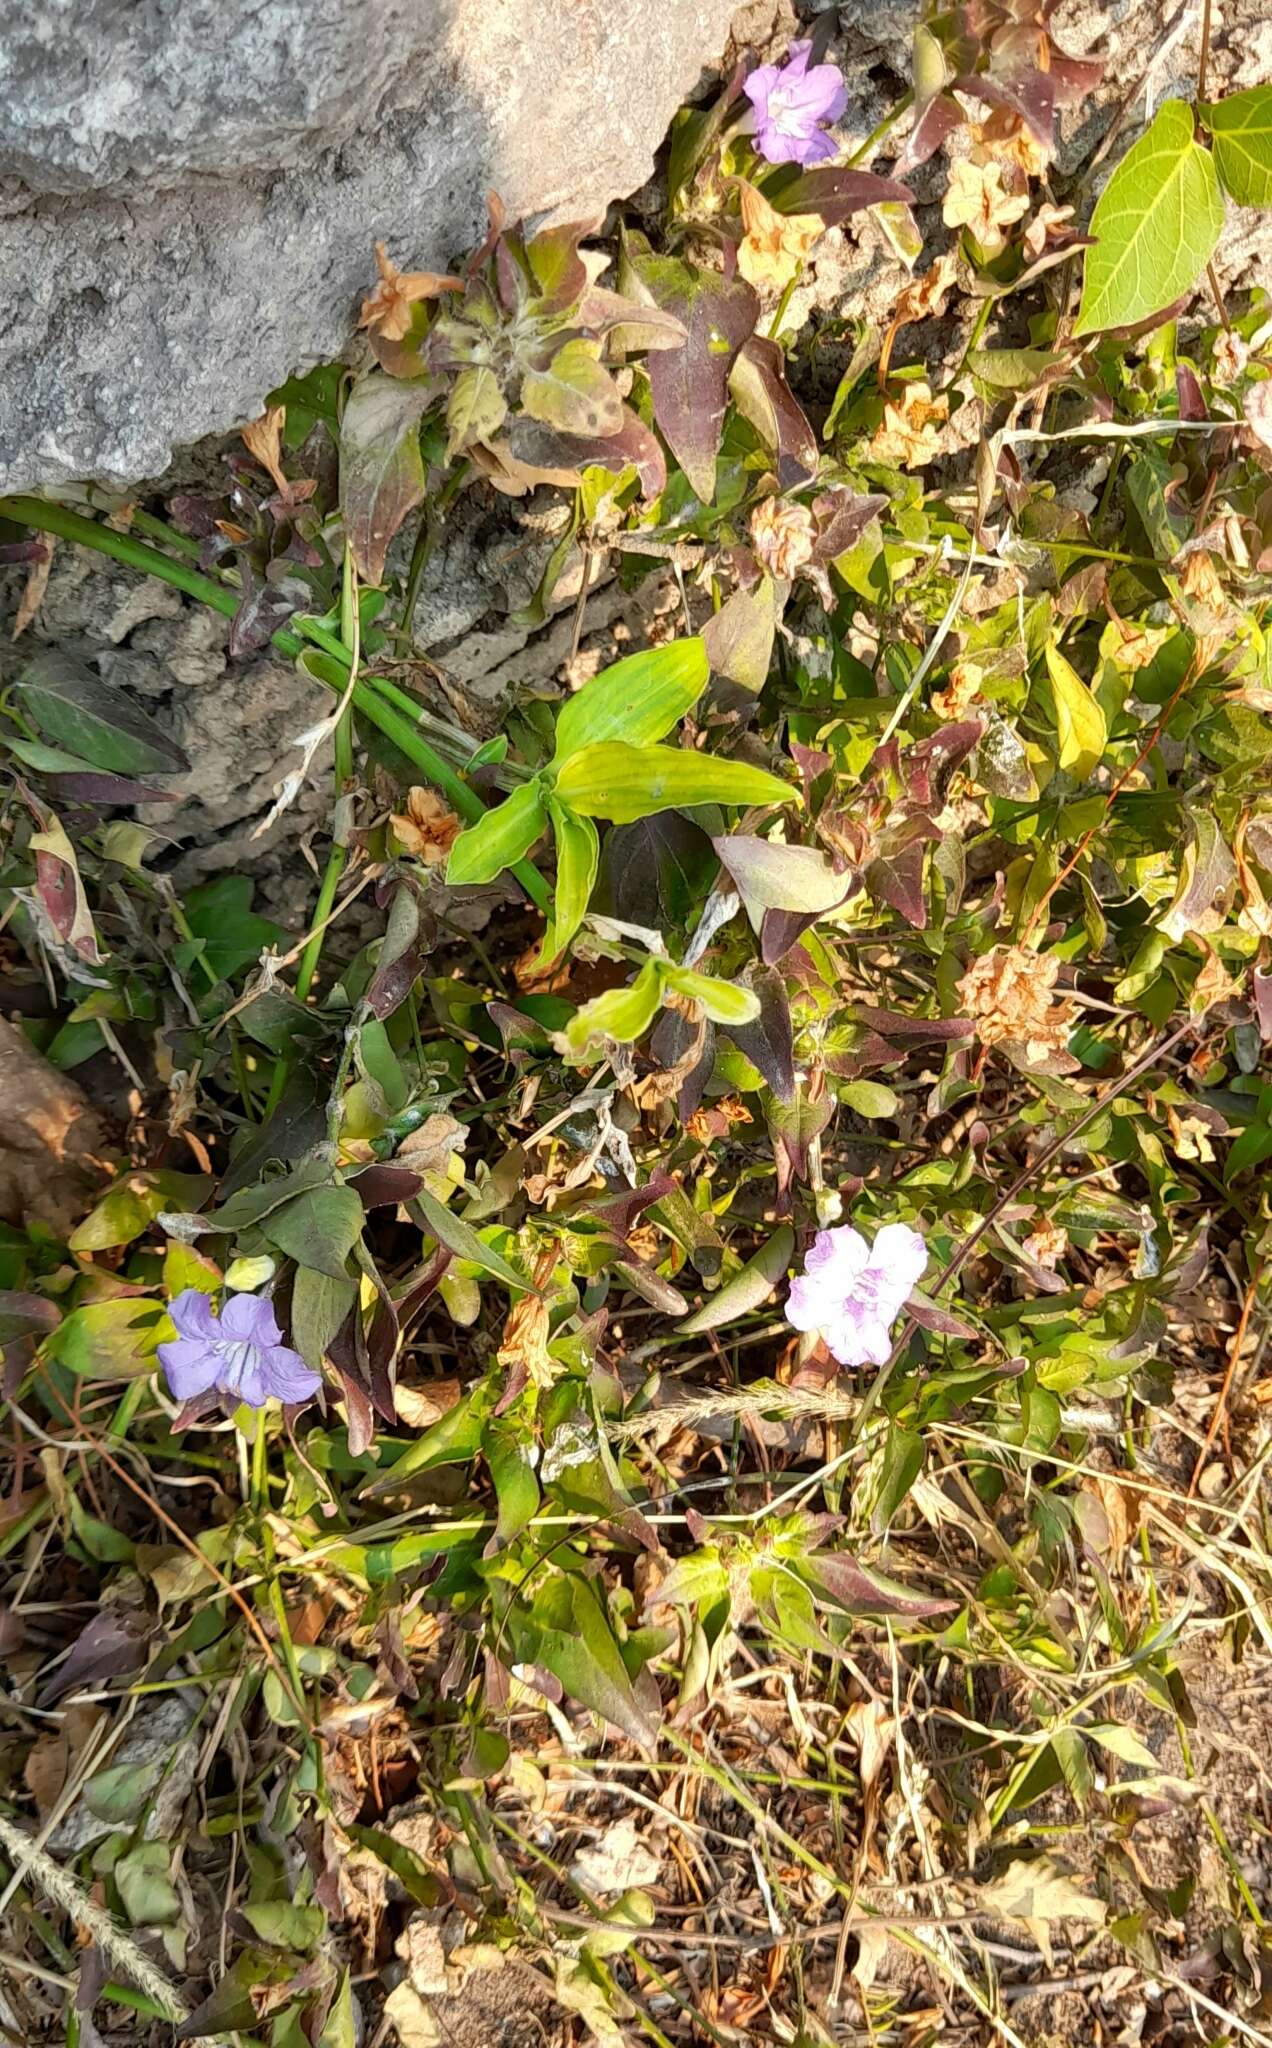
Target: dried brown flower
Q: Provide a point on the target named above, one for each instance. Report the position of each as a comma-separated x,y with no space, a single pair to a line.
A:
1003,138
783,535
926,295
387,310
427,829
1009,992
908,433
775,245
716,1119
978,199
1049,224
961,691
1046,1244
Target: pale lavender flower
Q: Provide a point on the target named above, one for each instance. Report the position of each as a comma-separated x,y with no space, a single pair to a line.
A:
790,103
852,1292
239,1353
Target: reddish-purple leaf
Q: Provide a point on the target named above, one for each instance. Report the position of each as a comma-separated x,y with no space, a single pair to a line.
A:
932,1315
929,765
690,385
1192,400
381,466
61,892
1028,92
895,877
860,1591
933,126
378,1186
832,192
768,1041
763,396
88,788
563,457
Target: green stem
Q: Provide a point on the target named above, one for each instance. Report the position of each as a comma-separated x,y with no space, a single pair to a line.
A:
876,135
46,517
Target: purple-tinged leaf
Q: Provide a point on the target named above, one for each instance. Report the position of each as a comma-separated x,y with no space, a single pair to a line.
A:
22,551
620,1211
112,1645
556,266
262,609
94,720
403,951
61,892
932,1315
672,1038
690,385
1192,399
933,126
842,517
632,325
772,876
832,191
542,454
379,1186
107,789
897,1024
768,1041
381,466
779,930
1262,983
857,1590
762,395
1028,92
929,765
895,877
739,637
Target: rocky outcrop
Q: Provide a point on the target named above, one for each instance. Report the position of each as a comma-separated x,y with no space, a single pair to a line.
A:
190,190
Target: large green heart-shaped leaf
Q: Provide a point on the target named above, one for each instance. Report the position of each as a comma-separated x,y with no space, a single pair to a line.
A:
1155,226
1241,129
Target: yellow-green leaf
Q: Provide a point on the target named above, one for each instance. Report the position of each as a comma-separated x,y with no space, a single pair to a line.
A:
638,700
499,839
621,782
1079,719
1241,128
1155,226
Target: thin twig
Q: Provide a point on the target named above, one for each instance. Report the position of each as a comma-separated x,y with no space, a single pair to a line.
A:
1234,1360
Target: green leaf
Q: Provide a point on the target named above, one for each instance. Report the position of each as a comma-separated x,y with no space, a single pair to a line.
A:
320,1303
747,1290
130,1207
381,467
569,1634
516,1488
1155,226
504,836
149,1895
1080,722
95,720
1241,128
110,1340
1011,369
475,410
638,700
578,851
621,1013
613,780
418,1881
901,1465
725,1002
318,1229
575,393
739,637
281,1923
460,1237
122,1793
869,1098
220,913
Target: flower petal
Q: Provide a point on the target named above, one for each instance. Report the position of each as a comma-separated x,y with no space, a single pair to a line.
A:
250,1319
901,1255
287,1376
193,1315
190,1366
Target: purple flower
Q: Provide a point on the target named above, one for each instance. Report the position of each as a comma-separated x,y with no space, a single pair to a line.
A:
852,1292
239,1353
790,102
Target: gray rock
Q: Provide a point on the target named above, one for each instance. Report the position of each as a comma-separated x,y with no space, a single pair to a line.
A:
189,190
